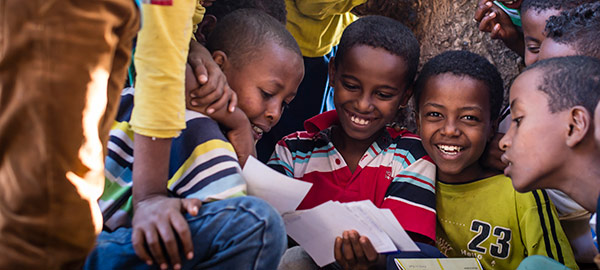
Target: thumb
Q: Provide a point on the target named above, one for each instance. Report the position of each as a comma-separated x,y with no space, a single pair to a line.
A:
191,205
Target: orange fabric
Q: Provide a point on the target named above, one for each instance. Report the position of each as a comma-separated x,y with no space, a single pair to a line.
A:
62,67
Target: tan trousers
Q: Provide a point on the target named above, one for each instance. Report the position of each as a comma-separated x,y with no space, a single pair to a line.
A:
62,66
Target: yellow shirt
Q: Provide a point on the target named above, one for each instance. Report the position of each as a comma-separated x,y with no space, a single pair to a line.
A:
317,25
489,220
161,54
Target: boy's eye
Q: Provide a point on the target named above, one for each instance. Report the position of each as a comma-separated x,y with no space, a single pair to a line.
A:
384,95
533,48
470,118
266,94
433,114
350,86
517,120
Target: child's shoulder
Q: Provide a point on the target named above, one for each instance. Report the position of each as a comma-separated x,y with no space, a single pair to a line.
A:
306,140
403,141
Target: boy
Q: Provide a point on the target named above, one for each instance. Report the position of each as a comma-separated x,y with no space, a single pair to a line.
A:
458,96
264,65
350,154
550,143
573,32
533,14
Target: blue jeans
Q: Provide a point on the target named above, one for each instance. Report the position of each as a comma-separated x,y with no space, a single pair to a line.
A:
238,233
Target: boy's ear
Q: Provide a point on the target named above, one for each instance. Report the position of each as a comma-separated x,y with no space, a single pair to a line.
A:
220,58
331,70
205,27
406,97
579,125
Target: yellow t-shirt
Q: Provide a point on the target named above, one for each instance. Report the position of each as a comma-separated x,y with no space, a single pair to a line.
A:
161,54
489,220
317,25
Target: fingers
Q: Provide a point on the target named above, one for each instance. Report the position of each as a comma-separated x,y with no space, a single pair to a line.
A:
369,250
153,242
487,22
220,103
496,32
483,8
138,240
234,99
191,205
338,254
201,73
170,244
347,248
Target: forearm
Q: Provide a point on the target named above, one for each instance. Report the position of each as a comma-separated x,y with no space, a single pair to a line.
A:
160,58
151,167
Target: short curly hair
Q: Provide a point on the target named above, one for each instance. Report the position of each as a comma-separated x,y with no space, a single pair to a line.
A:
464,63
242,33
275,8
569,81
382,32
578,27
542,5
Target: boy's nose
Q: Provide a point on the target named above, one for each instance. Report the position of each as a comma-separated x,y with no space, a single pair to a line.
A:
504,143
450,129
273,113
364,104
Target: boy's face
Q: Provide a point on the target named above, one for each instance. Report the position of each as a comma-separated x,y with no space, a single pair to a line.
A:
535,142
266,84
551,49
454,125
534,23
370,84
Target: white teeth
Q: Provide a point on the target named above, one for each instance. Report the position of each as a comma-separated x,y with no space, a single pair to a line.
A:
257,129
449,149
359,121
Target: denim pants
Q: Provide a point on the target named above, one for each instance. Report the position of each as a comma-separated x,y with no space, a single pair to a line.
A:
62,67
238,233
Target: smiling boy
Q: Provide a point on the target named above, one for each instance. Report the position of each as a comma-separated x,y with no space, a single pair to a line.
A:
458,96
350,154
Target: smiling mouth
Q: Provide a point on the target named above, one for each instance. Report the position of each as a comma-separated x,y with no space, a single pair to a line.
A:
449,149
259,131
359,121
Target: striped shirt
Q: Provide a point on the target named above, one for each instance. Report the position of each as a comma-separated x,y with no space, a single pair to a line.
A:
393,173
202,165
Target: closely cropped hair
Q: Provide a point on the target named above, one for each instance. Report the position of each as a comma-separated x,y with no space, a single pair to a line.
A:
382,32
569,81
464,63
578,28
542,5
275,8
242,34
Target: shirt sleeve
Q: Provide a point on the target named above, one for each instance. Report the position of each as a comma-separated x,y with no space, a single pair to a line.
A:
541,230
161,54
411,195
203,163
282,160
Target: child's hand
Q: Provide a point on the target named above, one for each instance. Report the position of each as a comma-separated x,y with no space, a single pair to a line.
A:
211,91
495,21
158,221
239,135
353,251
491,157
